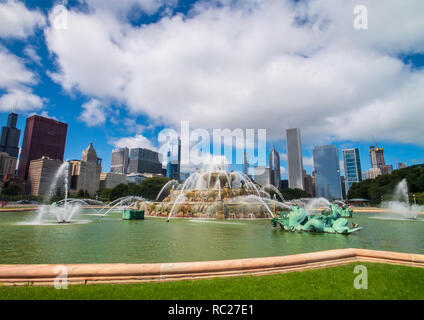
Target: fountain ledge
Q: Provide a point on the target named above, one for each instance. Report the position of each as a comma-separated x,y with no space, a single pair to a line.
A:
18,275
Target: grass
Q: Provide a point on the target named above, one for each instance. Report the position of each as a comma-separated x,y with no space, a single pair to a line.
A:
384,282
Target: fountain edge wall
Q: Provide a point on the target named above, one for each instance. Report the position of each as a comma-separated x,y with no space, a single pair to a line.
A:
12,275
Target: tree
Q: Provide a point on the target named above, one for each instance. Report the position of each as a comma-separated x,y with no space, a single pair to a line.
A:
83,194
291,194
150,188
119,191
12,190
104,194
382,187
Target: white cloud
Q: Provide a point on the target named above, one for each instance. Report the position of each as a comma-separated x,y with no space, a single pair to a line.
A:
13,72
45,114
15,80
123,6
93,114
17,21
20,99
308,161
248,64
32,54
138,141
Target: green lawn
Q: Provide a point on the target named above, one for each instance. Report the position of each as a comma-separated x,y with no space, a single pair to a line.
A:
384,282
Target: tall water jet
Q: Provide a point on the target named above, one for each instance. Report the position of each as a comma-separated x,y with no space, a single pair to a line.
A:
400,204
62,211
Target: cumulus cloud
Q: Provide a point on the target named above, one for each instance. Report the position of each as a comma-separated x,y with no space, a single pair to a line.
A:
308,161
138,141
256,64
44,114
31,53
13,72
20,99
17,21
123,6
93,114
15,80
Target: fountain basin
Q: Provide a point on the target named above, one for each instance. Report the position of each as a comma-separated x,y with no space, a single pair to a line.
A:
90,239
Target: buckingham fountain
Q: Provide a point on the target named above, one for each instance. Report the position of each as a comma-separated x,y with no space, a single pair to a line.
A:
70,231
215,193
212,192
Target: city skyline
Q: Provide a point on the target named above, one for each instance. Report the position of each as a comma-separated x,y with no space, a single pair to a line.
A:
282,157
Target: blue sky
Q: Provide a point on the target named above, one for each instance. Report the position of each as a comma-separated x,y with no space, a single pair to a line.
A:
204,61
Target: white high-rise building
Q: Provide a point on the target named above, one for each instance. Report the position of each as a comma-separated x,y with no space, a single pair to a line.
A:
295,159
120,161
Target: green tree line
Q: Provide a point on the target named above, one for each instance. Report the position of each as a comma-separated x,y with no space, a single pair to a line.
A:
382,188
147,189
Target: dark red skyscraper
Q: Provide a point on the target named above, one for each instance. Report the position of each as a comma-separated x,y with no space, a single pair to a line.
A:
43,137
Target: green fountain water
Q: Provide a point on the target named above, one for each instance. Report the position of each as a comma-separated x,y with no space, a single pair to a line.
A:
110,239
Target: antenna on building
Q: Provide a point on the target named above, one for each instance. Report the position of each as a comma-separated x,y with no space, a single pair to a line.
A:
374,141
15,106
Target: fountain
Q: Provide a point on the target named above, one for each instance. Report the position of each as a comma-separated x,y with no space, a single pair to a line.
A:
400,205
62,211
315,204
215,193
124,203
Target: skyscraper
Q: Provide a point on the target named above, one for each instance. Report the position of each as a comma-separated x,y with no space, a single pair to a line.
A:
274,167
144,161
295,159
10,136
41,174
402,165
343,185
7,165
43,137
352,167
173,168
327,172
85,173
309,182
377,159
245,169
120,161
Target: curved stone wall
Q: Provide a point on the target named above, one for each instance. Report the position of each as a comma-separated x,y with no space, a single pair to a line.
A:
127,273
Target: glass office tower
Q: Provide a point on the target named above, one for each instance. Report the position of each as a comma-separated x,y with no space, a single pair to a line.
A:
327,168
352,167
